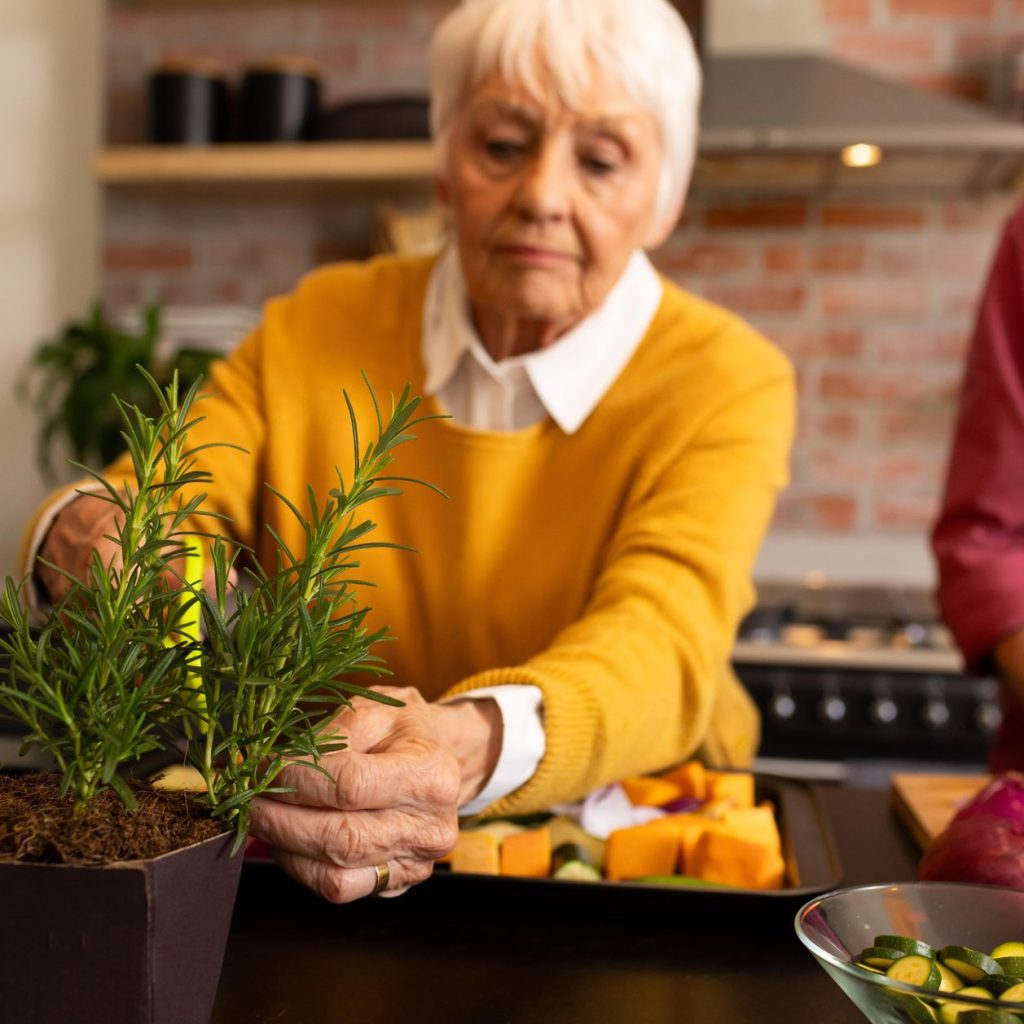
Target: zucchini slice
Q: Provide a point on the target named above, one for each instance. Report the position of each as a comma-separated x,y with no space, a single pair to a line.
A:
971,965
1013,994
572,862
950,1011
906,945
997,984
1011,964
913,969
577,871
1007,949
879,957
987,1017
951,981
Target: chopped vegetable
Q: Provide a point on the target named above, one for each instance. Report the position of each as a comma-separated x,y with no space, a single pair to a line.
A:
1007,949
879,957
906,945
527,854
1014,994
648,791
735,787
723,855
475,853
572,861
649,849
914,969
691,779
951,1011
970,964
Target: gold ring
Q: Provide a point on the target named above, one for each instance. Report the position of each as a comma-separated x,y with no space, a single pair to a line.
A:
383,873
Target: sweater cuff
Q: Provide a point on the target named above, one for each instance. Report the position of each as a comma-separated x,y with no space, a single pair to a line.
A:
574,738
522,741
984,608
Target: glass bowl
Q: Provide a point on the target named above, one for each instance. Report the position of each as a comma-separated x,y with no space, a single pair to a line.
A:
836,927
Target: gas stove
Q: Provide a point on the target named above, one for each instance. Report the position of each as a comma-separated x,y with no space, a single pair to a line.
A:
858,675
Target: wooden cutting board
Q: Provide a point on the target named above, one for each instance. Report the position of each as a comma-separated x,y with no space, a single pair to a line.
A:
926,803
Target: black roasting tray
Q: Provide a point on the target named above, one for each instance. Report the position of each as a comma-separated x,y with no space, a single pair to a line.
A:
812,867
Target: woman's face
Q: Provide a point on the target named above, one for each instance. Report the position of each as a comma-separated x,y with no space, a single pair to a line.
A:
549,202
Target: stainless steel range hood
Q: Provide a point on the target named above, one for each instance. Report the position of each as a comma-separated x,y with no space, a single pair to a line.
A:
781,121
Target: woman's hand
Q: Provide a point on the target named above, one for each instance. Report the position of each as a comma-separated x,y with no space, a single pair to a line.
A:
81,527
392,798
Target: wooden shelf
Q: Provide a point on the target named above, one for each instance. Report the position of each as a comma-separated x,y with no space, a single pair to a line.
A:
408,166
323,163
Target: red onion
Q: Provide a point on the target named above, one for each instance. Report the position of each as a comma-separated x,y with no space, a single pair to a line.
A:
1003,797
977,849
985,840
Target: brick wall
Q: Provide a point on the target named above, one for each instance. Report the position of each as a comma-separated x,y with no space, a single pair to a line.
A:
872,298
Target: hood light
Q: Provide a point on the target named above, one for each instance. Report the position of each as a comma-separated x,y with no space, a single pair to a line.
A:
861,154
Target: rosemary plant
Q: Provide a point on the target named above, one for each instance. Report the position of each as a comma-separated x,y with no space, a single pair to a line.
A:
119,668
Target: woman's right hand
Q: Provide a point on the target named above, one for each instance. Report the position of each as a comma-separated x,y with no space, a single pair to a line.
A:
81,527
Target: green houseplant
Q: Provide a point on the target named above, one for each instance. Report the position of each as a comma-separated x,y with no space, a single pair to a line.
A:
70,380
119,670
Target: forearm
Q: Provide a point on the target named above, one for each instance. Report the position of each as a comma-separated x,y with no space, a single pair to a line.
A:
1009,656
472,731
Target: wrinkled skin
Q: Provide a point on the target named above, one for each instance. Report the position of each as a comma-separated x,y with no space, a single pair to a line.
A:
392,799
86,524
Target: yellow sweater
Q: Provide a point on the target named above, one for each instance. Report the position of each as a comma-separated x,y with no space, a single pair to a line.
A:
609,568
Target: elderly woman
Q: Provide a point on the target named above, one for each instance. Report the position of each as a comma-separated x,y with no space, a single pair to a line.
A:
613,452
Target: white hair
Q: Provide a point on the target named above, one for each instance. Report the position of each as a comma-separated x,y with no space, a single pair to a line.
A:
645,44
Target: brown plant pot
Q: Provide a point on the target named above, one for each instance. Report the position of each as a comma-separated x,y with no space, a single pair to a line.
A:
133,942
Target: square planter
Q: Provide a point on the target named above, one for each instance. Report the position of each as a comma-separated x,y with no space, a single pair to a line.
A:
133,942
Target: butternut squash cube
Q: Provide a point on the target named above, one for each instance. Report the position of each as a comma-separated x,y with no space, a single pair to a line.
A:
735,787
527,854
649,791
691,779
726,858
475,853
650,849
755,824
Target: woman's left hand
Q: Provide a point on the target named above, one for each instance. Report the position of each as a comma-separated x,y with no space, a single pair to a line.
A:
392,797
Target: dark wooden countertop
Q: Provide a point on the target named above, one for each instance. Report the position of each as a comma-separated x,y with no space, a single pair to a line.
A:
428,957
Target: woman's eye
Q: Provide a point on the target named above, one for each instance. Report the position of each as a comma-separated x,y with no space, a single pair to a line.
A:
598,166
503,150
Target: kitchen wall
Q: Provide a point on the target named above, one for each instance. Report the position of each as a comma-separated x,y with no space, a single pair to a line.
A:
872,297
50,102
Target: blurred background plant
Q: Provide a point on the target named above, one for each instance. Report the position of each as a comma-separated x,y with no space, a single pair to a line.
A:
71,378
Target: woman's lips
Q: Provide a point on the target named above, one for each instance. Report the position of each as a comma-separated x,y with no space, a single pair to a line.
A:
534,254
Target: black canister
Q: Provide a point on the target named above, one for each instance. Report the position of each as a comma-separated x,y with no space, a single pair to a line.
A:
188,104
280,101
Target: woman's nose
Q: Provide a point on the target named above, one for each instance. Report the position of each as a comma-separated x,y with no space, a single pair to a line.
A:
545,185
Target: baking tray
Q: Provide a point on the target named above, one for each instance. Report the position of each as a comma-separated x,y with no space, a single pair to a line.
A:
812,867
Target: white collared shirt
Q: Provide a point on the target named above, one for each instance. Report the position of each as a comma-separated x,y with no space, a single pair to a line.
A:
565,381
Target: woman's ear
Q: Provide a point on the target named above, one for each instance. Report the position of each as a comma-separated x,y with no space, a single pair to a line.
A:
443,190
663,226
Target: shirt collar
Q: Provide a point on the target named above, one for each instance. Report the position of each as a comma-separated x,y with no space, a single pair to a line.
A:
571,376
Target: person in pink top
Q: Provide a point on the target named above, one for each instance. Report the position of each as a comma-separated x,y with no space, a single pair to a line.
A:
978,539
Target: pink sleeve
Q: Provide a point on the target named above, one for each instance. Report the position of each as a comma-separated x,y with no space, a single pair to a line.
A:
978,539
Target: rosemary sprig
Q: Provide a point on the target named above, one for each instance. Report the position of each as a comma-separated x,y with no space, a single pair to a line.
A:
279,666
94,687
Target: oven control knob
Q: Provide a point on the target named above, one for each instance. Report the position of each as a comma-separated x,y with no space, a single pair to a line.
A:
782,706
884,711
832,708
935,713
989,716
